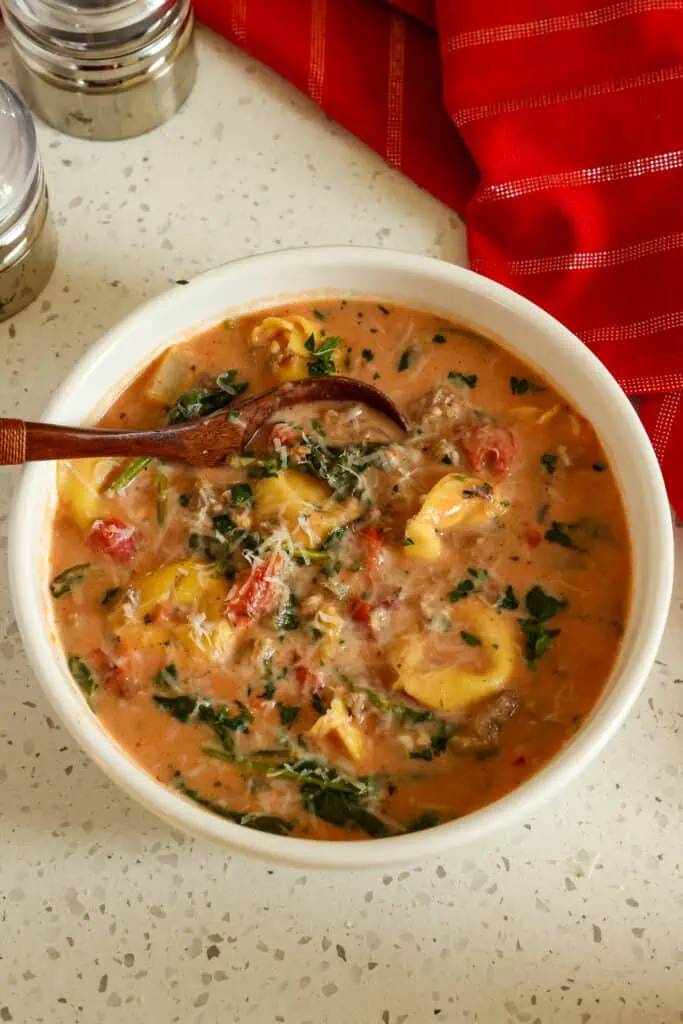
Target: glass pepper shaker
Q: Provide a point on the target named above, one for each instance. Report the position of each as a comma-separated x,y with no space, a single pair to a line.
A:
102,69
28,240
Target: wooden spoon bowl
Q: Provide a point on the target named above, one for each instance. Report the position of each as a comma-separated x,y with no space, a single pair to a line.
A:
203,442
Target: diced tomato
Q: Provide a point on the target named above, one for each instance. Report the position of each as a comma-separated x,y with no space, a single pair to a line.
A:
284,434
488,447
161,614
259,591
115,538
308,679
112,677
533,538
361,611
116,681
374,550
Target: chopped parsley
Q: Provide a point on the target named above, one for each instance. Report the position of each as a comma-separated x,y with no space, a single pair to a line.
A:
368,355
470,584
288,713
406,360
541,606
318,315
598,467
318,703
520,386
468,379
461,590
507,602
470,639
557,534
383,309
439,339
549,462
241,494
322,364
183,500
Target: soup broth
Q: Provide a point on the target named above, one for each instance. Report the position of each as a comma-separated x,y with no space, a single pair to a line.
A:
350,631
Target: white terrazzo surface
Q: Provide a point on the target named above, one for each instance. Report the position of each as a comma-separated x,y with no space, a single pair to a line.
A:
108,916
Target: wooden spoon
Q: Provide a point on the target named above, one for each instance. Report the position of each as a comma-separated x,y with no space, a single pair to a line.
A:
203,442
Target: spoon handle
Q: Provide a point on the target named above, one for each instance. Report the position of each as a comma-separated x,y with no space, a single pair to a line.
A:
21,442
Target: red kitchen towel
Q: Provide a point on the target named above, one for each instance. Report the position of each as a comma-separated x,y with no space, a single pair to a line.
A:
555,130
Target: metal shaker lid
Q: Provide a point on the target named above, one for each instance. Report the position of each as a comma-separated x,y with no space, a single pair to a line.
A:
19,159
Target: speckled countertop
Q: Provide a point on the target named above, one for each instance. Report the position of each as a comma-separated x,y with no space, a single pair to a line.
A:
106,915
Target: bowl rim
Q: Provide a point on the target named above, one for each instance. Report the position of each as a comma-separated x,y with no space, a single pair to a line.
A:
40,644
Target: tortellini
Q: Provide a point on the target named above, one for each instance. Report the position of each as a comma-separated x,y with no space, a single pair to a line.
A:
338,721
304,505
80,484
452,688
188,586
287,338
456,500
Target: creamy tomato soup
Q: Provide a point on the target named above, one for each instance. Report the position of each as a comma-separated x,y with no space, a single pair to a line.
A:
349,631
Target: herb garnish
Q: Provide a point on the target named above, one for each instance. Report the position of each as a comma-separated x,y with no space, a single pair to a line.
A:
202,401
241,494
549,462
541,606
167,677
557,534
288,713
483,490
181,707
468,584
468,379
82,675
337,799
507,601
322,364
403,712
439,339
110,596
406,360
470,639
286,617
598,467
520,386
318,315
368,355
260,822
126,477
318,703
383,309
423,821
65,581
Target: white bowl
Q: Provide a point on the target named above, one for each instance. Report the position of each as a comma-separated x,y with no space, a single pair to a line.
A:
262,281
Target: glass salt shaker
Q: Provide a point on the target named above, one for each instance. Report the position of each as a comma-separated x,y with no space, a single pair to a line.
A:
103,69
28,240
